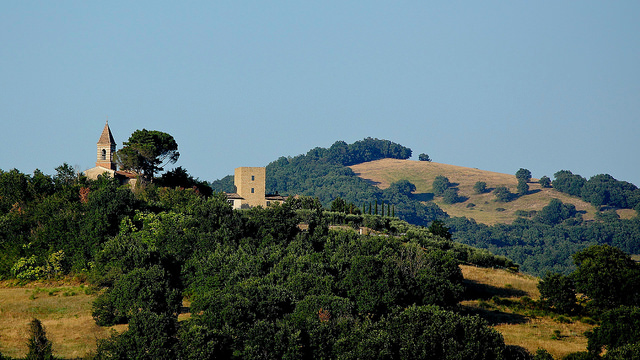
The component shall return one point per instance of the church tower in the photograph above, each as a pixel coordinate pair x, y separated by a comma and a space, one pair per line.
106, 149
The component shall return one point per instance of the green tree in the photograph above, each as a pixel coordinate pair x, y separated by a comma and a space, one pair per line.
450, 196
523, 188
545, 182
38, 344
403, 187
179, 177
566, 182
542, 354
428, 332
555, 212
480, 187
438, 228
559, 290
147, 289
440, 184
625, 352
523, 175
339, 205
147, 151
150, 336
502, 194
424, 157
618, 327
584, 355
608, 276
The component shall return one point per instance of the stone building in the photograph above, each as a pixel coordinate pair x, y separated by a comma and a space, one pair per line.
105, 161
250, 183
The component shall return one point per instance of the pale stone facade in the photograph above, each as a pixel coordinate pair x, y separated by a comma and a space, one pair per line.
250, 183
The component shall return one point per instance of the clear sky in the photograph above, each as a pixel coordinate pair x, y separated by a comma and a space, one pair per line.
495, 85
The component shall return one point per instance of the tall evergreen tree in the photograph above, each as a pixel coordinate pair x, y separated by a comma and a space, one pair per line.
38, 344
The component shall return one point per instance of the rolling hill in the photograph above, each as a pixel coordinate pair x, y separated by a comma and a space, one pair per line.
481, 207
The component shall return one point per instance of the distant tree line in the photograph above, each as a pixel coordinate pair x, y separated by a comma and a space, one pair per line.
545, 240
599, 190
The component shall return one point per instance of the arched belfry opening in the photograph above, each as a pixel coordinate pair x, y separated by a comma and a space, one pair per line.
106, 149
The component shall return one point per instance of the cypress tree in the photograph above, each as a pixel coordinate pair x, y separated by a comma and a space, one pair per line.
38, 344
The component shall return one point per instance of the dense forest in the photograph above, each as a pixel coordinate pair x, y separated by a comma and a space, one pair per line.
540, 247
287, 282
259, 286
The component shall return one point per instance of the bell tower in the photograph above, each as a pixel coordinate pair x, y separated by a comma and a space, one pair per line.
106, 149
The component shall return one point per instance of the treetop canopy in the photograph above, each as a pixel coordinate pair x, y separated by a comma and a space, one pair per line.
147, 152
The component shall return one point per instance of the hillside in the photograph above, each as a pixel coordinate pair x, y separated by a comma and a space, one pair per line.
520, 328
484, 209
66, 313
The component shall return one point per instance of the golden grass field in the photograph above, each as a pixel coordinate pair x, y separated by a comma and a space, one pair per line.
422, 173
65, 312
64, 308
529, 331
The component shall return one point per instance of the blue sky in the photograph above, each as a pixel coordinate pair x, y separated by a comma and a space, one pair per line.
495, 85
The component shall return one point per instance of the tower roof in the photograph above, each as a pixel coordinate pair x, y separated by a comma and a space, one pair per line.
106, 138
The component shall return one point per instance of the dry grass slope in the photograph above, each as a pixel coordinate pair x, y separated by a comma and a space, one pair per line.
422, 173
64, 310
530, 332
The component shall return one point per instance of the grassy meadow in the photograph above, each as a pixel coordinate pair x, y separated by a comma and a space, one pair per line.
498, 296
65, 312
481, 207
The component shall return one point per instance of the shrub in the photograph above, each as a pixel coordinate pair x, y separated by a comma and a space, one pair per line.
440, 184
480, 187
545, 182
424, 157
503, 194
450, 196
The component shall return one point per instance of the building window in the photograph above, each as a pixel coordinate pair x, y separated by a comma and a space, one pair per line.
253, 178
252, 190
104, 154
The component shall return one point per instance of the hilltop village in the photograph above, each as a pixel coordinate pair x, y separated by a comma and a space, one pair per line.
249, 181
